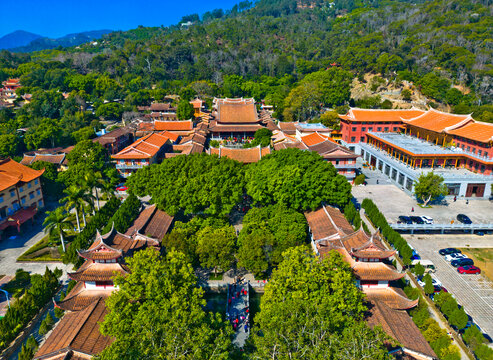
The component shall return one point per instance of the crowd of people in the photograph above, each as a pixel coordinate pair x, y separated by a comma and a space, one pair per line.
238, 312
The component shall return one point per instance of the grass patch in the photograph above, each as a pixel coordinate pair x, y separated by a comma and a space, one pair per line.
41, 244
215, 277
483, 258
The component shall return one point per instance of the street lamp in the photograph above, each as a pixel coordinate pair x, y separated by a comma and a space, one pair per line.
7, 296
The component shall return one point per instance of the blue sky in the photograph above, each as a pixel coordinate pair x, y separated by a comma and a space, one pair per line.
55, 18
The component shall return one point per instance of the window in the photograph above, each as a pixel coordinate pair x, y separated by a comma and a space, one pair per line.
36, 181
483, 168
1, 198
353, 129
474, 151
12, 193
386, 129
353, 139
468, 148
31, 195
363, 129
23, 200
486, 154
396, 129
29, 185
38, 191
479, 152
379, 128
40, 203
362, 139
370, 129
21, 189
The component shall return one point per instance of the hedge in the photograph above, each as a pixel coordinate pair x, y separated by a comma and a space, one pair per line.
43, 288
392, 236
84, 238
125, 216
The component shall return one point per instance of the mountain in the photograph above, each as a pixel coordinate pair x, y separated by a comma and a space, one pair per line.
43, 43
16, 39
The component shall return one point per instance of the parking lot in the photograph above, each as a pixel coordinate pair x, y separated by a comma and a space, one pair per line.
474, 292
393, 202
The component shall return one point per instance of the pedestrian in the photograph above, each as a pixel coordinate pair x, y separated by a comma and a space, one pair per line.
455, 198
247, 310
234, 327
238, 294
246, 327
412, 209
229, 301
467, 202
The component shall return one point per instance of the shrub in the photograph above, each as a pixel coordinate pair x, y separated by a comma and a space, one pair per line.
360, 179
125, 215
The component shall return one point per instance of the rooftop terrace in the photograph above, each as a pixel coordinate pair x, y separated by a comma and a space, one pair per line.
422, 147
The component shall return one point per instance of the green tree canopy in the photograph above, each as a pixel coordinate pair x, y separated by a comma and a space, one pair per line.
9, 145
311, 309
429, 187
110, 111
158, 313
185, 110
216, 247
297, 179
192, 184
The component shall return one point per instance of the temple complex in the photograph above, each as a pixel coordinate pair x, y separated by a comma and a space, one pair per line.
375, 276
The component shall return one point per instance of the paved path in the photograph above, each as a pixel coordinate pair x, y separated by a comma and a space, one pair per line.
474, 292
238, 312
11, 248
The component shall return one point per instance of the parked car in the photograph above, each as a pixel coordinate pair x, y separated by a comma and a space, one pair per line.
464, 219
405, 219
462, 262
427, 264
469, 269
426, 219
452, 257
448, 251
434, 281
417, 220
415, 255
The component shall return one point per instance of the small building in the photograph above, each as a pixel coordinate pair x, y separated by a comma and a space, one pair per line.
198, 107
375, 276
236, 119
247, 156
357, 122
146, 151
21, 194
303, 129
54, 156
114, 141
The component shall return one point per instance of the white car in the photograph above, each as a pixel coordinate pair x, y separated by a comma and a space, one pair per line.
427, 219
456, 256
434, 281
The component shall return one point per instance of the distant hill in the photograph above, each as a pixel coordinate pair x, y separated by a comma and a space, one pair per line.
42, 43
17, 38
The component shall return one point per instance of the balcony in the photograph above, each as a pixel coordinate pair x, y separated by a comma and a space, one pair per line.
345, 166
131, 165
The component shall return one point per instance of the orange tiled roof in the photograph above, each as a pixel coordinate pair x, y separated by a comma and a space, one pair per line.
151, 222
144, 148
438, 121
236, 112
327, 222
478, 131
80, 297
288, 127
12, 172
361, 245
313, 139
78, 331
399, 325
375, 271
170, 135
186, 125
92, 271
393, 297
197, 103
249, 155
379, 115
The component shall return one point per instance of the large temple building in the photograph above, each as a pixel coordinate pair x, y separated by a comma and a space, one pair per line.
234, 119
370, 261
457, 147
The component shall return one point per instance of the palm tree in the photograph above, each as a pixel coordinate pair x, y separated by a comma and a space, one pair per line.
94, 181
77, 197
57, 220
108, 189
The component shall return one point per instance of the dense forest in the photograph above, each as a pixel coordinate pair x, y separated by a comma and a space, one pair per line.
277, 50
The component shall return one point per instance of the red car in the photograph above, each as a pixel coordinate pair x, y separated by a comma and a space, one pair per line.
469, 269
